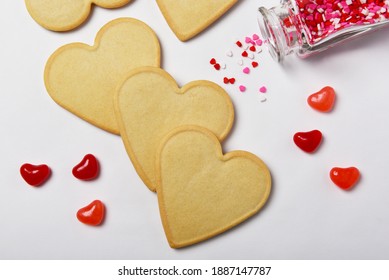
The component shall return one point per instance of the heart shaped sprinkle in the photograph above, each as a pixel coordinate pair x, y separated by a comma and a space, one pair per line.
259, 42
308, 141
232, 81
212, 61
246, 70
35, 175
226, 80
253, 49
87, 169
92, 214
322, 100
245, 54
217, 66
239, 44
255, 37
242, 88
263, 89
254, 64
345, 178
248, 40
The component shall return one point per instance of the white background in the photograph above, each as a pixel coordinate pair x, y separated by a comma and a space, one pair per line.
307, 216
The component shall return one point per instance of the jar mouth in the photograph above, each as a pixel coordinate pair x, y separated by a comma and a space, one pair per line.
271, 32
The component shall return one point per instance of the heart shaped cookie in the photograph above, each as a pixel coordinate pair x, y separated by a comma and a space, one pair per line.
64, 15
201, 192
187, 18
83, 78
149, 104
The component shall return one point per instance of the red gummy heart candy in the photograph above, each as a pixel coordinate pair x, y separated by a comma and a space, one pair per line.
87, 169
92, 214
322, 100
308, 141
254, 64
232, 81
35, 175
344, 178
217, 66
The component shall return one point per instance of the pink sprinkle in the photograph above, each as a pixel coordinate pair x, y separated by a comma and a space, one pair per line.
248, 40
259, 42
255, 37
242, 88
246, 70
263, 89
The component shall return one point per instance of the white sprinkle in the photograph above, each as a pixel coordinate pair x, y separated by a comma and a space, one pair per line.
251, 56
259, 50
229, 54
240, 62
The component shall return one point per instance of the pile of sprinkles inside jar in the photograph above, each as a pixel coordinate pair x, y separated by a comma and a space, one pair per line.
324, 17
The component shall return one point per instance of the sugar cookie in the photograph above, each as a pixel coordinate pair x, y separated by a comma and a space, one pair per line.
187, 18
64, 15
83, 78
201, 192
149, 104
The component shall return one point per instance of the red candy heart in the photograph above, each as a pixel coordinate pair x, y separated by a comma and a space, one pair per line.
212, 61
308, 141
344, 178
254, 64
232, 81
92, 214
253, 49
245, 54
87, 169
35, 175
322, 100
226, 80
217, 66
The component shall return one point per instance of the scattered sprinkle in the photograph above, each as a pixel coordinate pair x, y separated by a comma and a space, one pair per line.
229, 54
254, 64
246, 70
242, 88
263, 89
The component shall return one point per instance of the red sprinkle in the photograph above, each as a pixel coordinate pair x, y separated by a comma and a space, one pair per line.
217, 66
253, 49
245, 54
254, 64
239, 44
232, 81
212, 61
226, 80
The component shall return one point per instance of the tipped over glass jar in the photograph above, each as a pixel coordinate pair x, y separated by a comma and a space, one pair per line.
309, 26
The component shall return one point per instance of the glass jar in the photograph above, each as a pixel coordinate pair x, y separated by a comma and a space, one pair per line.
309, 26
